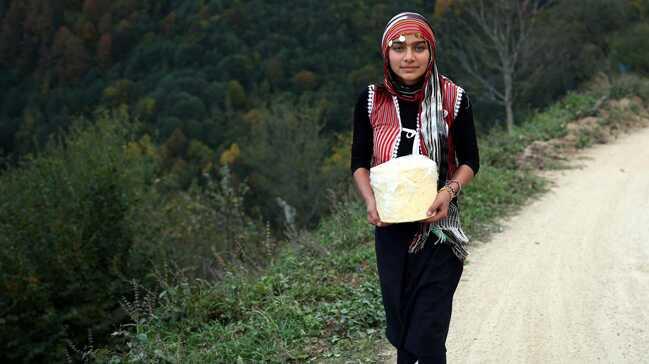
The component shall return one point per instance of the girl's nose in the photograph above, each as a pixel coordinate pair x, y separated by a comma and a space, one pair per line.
410, 55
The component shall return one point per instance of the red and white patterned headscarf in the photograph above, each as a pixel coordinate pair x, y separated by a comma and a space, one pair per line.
402, 24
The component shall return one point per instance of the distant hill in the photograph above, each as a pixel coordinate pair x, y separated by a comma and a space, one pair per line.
180, 64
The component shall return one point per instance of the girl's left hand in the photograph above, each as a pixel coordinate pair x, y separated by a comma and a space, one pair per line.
439, 209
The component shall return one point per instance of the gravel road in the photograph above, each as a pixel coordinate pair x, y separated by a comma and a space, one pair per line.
567, 280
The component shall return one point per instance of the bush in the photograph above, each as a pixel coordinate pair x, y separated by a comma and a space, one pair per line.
291, 129
304, 303
66, 242
631, 49
629, 86
82, 219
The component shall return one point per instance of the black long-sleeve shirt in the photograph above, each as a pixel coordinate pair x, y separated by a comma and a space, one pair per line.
462, 131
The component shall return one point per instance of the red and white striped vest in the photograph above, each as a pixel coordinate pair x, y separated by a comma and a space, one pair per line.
382, 109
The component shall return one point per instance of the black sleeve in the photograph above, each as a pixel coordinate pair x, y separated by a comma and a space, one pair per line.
362, 142
464, 138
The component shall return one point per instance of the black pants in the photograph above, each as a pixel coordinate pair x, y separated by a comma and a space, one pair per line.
404, 357
417, 291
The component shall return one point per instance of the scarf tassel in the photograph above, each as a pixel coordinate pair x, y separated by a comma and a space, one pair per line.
457, 240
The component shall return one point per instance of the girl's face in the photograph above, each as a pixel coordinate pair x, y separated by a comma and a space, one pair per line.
409, 58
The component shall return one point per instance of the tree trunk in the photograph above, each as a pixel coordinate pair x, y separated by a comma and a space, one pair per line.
509, 98
510, 116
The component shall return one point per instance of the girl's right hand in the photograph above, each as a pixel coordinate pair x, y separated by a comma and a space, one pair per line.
373, 215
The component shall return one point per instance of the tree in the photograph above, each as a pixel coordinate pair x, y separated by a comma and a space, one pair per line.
587, 26
236, 96
490, 40
305, 80
441, 6
630, 48
94, 9
175, 146
118, 93
168, 23
88, 32
284, 153
642, 6
39, 20
230, 155
104, 50
105, 23
68, 244
200, 154
69, 55
145, 108
11, 32
91, 9
579, 34
274, 70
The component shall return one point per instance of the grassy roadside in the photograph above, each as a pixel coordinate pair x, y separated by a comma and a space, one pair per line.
319, 300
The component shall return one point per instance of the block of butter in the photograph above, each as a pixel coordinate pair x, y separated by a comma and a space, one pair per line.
404, 188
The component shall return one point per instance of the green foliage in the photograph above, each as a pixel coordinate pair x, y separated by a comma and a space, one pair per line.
495, 193
83, 218
305, 80
187, 106
205, 230
176, 145
642, 6
201, 67
202, 45
284, 153
630, 86
200, 153
66, 239
336, 165
302, 305
236, 96
118, 93
365, 75
630, 48
500, 149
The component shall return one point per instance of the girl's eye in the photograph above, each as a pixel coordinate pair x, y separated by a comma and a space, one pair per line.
420, 48
397, 47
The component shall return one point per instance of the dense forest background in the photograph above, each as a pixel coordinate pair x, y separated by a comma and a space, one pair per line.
206, 77
135, 133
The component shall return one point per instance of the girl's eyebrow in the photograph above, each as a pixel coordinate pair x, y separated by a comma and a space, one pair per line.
417, 42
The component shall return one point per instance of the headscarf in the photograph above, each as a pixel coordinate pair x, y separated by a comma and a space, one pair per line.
401, 24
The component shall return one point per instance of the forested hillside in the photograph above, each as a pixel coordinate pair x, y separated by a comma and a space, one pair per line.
139, 137
206, 76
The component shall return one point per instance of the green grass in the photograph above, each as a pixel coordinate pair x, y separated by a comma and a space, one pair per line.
500, 149
319, 301
498, 193
307, 303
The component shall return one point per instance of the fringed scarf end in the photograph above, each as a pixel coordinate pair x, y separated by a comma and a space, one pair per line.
422, 236
454, 237
460, 243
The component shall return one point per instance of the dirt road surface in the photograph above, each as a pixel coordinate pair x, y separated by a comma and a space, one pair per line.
567, 280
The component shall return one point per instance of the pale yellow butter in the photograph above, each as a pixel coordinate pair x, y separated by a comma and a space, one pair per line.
404, 188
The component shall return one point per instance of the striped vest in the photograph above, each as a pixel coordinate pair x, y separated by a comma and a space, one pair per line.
383, 112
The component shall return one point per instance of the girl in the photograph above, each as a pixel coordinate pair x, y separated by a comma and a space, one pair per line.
419, 263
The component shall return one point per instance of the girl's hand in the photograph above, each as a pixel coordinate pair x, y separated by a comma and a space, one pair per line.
439, 209
373, 215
